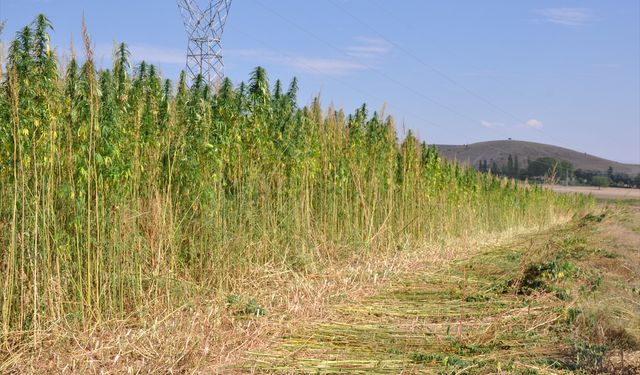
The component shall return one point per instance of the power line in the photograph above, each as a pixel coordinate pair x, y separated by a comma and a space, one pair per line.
346, 84
354, 88
382, 73
388, 12
370, 67
436, 70
364, 93
425, 64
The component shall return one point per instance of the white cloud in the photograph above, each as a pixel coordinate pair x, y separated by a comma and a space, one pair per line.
368, 48
324, 66
314, 65
363, 48
491, 125
156, 54
535, 124
144, 52
565, 16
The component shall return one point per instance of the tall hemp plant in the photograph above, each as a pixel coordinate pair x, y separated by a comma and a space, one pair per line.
119, 189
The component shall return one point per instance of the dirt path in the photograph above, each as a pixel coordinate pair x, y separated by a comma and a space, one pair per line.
554, 302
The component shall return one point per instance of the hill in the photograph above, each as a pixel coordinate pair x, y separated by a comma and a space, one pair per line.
499, 152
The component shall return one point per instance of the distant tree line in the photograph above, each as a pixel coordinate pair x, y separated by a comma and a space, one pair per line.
613, 178
546, 168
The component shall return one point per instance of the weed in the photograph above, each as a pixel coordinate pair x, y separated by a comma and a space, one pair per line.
477, 298
253, 308
427, 358
597, 283
249, 307
562, 294
537, 277
232, 299
571, 315
441, 359
591, 218
589, 357
606, 253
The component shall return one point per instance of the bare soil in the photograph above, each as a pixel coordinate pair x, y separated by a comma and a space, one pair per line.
602, 193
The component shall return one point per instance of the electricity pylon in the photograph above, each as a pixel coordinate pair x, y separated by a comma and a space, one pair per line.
205, 26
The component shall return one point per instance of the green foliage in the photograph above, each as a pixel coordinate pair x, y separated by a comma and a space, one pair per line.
589, 357
116, 189
591, 218
546, 166
600, 181
248, 307
537, 277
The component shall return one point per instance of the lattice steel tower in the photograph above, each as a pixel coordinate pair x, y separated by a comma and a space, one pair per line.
205, 26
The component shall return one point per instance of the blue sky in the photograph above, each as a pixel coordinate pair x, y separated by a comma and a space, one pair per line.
456, 72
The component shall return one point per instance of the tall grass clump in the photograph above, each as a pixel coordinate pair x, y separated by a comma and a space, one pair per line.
117, 188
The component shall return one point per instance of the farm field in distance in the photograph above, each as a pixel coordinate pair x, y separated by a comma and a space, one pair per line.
602, 193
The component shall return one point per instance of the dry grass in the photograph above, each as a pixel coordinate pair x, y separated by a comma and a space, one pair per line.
209, 336
489, 313
435, 309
